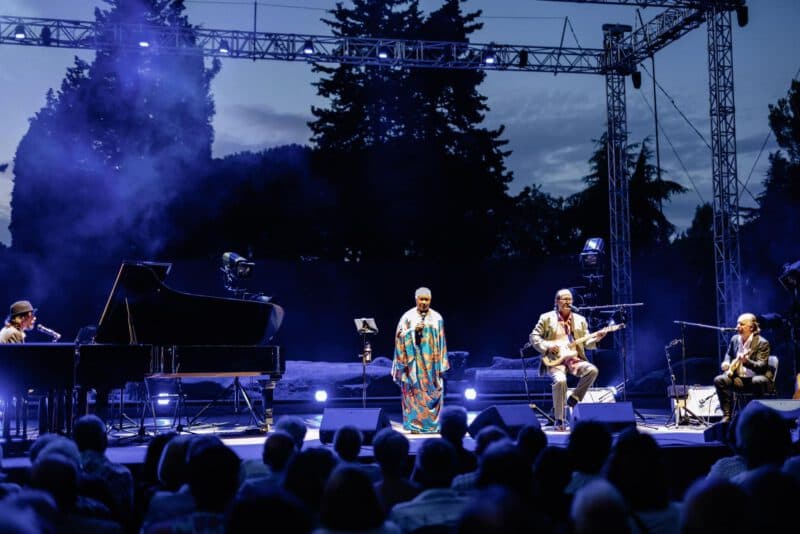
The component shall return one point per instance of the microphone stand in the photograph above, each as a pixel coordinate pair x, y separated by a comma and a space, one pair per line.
527, 392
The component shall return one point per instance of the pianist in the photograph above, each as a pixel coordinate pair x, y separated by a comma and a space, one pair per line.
21, 318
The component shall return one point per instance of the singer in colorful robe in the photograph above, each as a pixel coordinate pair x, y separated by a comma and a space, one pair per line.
552, 334
420, 359
21, 317
746, 365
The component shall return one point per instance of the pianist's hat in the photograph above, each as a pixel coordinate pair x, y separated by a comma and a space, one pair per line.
20, 307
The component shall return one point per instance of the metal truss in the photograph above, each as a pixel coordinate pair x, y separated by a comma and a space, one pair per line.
299, 47
618, 181
727, 259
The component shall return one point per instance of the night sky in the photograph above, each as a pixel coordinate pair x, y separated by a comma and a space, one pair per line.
550, 120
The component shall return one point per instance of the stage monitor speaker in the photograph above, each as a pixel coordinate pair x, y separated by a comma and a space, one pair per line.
368, 420
788, 408
702, 401
597, 395
616, 416
509, 417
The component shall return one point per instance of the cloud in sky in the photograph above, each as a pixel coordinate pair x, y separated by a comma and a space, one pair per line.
254, 128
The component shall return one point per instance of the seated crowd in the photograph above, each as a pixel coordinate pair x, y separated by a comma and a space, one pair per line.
507, 484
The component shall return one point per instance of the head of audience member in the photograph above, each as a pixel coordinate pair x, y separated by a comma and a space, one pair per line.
762, 436
552, 470
598, 507
307, 473
589, 446
213, 469
349, 501
347, 442
279, 447
503, 464
642, 489
436, 464
15, 520
453, 422
57, 475
267, 503
60, 445
718, 504
391, 451
172, 470
295, 427
531, 440
768, 484
792, 467
41, 503
40, 443
499, 510
89, 433
152, 456
488, 435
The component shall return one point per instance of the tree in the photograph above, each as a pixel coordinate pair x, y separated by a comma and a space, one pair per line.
120, 144
589, 208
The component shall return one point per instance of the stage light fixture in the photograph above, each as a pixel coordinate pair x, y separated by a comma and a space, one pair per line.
523, 58
489, 56
143, 43
308, 47
237, 266
636, 78
19, 32
470, 394
46, 36
592, 253
321, 395
742, 16
383, 52
223, 47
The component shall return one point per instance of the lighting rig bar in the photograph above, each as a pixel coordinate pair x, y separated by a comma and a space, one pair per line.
27, 31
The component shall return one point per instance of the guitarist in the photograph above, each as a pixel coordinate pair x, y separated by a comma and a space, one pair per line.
551, 337
746, 365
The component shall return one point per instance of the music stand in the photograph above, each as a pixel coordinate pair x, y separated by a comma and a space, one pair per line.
365, 326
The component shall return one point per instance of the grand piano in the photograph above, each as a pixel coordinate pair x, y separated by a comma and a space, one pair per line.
148, 329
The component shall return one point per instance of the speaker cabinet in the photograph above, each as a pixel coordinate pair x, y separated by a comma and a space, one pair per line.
368, 420
615, 415
702, 401
509, 417
597, 395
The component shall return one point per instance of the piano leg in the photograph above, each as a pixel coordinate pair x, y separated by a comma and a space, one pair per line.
267, 397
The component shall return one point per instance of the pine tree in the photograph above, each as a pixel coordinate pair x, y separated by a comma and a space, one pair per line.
117, 147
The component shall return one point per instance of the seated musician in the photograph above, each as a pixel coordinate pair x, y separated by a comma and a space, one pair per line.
22, 317
746, 365
551, 337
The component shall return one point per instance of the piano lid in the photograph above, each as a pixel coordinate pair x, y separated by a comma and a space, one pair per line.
142, 309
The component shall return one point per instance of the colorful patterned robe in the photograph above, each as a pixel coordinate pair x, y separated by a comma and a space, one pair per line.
418, 364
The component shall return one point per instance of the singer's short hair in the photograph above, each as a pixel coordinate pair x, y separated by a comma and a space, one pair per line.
753, 320
562, 291
422, 292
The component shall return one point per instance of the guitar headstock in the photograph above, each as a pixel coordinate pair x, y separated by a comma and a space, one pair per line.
614, 327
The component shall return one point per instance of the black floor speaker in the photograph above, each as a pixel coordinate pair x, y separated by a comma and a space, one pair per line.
616, 416
368, 420
509, 417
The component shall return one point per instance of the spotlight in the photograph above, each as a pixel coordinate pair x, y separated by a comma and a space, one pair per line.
489, 57
236, 266
742, 16
523, 58
320, 395
47, 36
470, 394
19, 32
636, 78
308, 47
592, 253
144, 43
223, 47
163, 399
383, 53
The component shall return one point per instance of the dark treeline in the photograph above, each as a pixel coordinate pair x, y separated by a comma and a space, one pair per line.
400, 168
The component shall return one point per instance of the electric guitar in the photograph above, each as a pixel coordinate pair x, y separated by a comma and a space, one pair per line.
567, 349
733, 369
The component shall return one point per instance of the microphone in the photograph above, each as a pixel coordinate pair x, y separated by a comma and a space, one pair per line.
574, 309
52, 333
